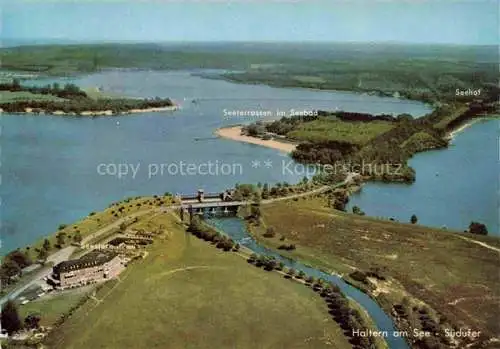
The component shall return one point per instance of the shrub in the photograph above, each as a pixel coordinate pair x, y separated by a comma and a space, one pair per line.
270, 233
478, 228
358, 276
287, 247
253, 258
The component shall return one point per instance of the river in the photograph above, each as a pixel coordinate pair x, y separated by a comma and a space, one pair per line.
50, 163
236, 229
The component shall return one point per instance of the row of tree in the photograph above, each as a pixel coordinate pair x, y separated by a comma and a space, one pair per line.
201, 230
264, 191
68, 91
349, 319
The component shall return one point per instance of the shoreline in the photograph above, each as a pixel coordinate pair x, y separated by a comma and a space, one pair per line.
453, 133
99, 112
431, 104
234, 133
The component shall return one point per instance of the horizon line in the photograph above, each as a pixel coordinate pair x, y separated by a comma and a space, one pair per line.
174, 41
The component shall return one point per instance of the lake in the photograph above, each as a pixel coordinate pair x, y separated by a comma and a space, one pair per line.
58, 169
453, 186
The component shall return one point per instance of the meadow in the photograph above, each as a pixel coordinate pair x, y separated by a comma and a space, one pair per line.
52, 306
188, 294
336, 130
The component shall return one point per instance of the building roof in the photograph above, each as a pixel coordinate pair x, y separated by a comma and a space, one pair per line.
91, 259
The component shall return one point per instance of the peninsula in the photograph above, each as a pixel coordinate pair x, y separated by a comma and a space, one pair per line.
71, 100
384, 142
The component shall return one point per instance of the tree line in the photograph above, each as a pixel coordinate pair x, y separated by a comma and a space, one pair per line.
201, 230
68, 91
349, 319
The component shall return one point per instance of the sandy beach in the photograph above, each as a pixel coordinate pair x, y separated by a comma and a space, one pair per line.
453, 133
234, 133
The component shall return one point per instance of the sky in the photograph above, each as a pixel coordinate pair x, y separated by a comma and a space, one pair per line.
413, 21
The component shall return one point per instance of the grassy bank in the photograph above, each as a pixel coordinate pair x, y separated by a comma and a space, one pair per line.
89, 228
452, 279
188, 294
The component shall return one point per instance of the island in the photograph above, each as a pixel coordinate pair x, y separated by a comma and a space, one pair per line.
72, 100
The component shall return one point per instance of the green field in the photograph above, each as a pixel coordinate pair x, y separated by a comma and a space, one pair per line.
456, 278
95, 93
52, 306
188, 294
8, 96
337, 130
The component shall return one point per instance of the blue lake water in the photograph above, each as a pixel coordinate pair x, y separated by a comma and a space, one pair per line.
49, 163
453, 186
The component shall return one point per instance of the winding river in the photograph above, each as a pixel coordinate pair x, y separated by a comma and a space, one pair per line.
236, 229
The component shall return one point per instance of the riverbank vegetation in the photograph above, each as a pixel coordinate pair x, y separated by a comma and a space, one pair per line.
348, 317
203, 231
426, 278
202, 293
69, 99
